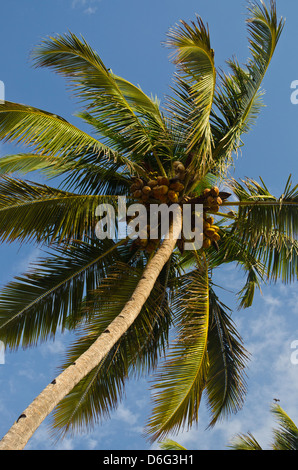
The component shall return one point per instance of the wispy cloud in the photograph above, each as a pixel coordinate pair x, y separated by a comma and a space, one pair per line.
89, 6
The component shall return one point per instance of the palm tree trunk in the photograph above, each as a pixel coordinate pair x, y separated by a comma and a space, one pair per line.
23, 429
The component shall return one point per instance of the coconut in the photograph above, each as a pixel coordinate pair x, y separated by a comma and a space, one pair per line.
134, 187
163, 198
177, 186
163, 189
180, 168
152, 183
206, 243
137, 193
165, 181
173, 196
146, 189
206, 192
210, 201
139, 183
214, 191
210, 232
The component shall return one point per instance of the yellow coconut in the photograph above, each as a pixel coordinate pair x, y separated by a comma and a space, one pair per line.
206, 243
164, 189
173, 196
214, 191
206, 192
210, 232
152, 183
146, 189
139, 183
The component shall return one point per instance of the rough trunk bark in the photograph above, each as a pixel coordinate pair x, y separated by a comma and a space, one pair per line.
23, 429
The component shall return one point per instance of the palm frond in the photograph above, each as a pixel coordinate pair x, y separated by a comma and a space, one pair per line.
195, 85
245, 442
182, 375
238, 98
41, 302
44, 214
80, 174
269, 226
226, 385
233, 250
169, 444
246, 294
47, 133
24, 163
110, 98
286, 435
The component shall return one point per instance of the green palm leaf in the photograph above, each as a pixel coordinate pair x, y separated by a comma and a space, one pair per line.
46, 133
169, 444
226, 386
268, 226
196, 79
182, 376
41, 213
245, 442
286, 435
238, 99
111, 99
42, 301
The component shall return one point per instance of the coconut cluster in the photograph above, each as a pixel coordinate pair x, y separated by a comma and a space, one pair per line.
212, 199
210, 231
160, 188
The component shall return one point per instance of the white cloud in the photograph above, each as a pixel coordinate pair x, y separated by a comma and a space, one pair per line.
89, 5
90, 10
124, 414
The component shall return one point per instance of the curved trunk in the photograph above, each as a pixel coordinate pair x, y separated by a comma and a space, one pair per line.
23, 429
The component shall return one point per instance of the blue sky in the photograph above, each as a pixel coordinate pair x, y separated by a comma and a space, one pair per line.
128, 35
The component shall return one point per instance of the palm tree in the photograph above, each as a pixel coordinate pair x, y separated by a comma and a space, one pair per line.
285, 436
123, 297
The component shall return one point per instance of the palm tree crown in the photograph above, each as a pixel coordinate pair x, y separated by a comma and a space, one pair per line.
180, 153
